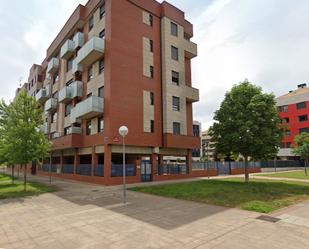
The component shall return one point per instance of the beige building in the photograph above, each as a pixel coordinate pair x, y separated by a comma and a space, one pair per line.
207, 148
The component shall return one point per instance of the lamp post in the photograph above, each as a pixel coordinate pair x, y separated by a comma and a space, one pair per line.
123, 131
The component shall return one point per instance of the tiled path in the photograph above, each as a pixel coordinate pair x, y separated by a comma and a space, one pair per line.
91, 216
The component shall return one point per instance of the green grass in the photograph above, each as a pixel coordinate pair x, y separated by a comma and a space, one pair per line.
9, 190
258, 195
293, 174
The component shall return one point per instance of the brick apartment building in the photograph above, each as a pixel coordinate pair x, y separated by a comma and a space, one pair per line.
114, 63
294, 111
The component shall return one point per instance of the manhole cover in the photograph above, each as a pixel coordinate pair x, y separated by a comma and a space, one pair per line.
268, 218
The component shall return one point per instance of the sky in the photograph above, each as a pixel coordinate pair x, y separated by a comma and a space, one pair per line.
264, 41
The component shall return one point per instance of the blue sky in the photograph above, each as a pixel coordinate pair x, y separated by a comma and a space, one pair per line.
265, 41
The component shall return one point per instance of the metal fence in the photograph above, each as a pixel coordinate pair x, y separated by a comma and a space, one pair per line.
47, 167
117, 170
172, 169
282, 163
204, 165
99, 170
84, 169
68, 168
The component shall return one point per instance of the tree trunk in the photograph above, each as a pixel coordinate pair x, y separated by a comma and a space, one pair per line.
246, 169
18, 171
25, 177
306, 164
13, 173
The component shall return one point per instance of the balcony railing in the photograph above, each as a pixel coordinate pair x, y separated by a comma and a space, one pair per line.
44, 128
53, 65
91, 51
89, 108
51, 105
67, 49
41, 96
192, 94
190, 49
68, 93
75, 130
78, 40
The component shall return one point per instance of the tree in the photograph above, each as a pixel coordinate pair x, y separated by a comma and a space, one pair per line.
302, 147
248, 124
22, 141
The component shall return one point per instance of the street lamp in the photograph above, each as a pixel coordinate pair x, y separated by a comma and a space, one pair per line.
123, 131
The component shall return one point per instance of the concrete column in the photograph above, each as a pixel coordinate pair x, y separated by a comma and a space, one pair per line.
154, 164
107, 163
189, 161
76, 160
61, 161
94, 160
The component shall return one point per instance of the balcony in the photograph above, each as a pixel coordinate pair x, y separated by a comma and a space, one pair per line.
181, 141
190, 49
51, 105
44, 128
89, 108
91, 51
41, 96
68, 93
192, 94
75, 130
76, 67
67, 50
78, 40
53, 65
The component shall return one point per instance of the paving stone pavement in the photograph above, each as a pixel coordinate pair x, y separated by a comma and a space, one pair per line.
91, 216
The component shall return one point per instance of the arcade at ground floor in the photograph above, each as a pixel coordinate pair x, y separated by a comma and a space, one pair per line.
104, 164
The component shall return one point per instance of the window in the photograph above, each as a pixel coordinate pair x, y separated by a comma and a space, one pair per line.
283, 108
174, 29
151, 71
151, 45
102, 11
68, 109
90, 73
304, 130
302, 118
100, 124
176, 127
101, 92
174, 52
150, 20
196, 130
69, 64
288, 144
285, 120
88, 127
175, 78
101, 65
301, 105
66, 130
54, 117
176, 103
151, 98
102, 34
152, 126
90, 23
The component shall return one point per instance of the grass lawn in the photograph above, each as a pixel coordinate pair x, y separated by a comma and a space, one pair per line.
258, 195
9, 190
293, 174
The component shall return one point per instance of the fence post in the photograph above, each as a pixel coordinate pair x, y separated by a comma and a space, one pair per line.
208, 173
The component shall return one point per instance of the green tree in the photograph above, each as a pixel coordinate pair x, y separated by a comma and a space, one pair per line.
302, 147
248, 124
22, 142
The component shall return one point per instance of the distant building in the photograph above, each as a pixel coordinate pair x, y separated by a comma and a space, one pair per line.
197, 128
208, 150
294, 110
